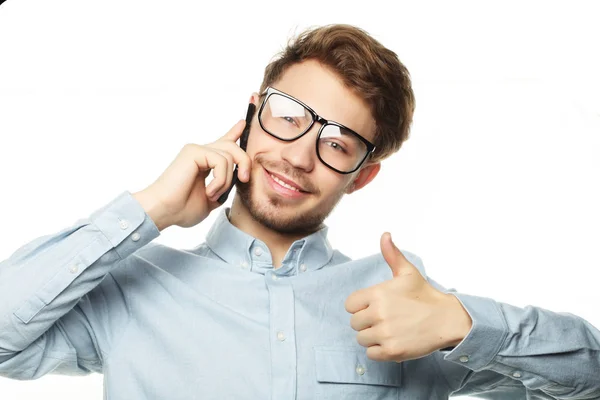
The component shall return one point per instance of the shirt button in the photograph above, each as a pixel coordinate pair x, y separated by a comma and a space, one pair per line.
360, 370
280, 336
303, 267
517, 374
258, 251
244, 264
74, 269
123, 224
274, 277
135, 237
464, 359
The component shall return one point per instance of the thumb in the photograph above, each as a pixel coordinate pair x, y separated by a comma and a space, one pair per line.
392, 255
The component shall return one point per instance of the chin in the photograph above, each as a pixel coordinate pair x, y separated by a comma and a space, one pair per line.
278, 214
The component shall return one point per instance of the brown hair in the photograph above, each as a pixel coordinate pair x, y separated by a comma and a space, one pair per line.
372, 71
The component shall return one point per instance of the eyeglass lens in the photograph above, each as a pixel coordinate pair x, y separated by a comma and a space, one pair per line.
287, 119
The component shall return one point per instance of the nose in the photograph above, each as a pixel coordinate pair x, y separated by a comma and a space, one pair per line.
301, 153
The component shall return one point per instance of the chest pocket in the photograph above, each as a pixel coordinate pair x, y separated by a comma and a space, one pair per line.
347, 373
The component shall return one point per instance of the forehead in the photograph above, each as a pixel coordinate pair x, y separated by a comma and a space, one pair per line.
322, 89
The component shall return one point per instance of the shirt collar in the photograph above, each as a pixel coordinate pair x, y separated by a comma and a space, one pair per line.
239, 249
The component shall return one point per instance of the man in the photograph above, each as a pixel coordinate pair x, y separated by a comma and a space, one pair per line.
266, 308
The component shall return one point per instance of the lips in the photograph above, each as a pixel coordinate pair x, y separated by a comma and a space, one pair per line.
281, 188
287, 181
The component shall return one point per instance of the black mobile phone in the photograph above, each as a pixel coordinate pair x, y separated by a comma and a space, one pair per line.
243, 144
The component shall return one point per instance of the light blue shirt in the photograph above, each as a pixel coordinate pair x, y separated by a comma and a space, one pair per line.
219, 322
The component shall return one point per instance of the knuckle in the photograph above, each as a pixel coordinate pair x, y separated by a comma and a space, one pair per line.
222, 159
189, 147
223, 154
360, 339
377, 294
376, 315
388, 351
348, 304
374, 354
385, 331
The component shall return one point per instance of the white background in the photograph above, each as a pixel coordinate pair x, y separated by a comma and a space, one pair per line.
497, 189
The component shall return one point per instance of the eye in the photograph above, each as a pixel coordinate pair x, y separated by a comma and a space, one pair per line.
291, 120
336, 146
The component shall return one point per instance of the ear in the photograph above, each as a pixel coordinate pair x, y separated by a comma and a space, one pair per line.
254, 97
366, 175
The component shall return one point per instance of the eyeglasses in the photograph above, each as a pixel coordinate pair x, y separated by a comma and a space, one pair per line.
338, 147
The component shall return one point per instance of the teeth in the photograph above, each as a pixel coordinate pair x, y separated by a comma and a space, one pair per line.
282, 183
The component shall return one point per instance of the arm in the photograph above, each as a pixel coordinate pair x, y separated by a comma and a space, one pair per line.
49, 309
523, 350
52, 317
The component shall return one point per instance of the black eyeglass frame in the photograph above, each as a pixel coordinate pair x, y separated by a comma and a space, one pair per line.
315, 118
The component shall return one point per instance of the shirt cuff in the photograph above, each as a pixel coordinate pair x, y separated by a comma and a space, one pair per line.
125, 218
486, 337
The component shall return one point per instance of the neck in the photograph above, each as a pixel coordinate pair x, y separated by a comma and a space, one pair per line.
277, 242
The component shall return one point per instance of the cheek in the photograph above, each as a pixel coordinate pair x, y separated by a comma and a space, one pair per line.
332, 185
259, 141
251, 144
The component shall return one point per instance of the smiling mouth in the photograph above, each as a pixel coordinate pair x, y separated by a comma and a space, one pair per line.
285, 185
282, 187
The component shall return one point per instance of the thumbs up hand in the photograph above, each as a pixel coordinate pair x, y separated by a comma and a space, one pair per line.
405, 317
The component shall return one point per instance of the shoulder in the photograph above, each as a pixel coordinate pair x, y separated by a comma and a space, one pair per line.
378, 260
371, 269
156, 259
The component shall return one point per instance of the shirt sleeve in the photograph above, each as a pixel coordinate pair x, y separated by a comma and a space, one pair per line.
46, 304
512, 351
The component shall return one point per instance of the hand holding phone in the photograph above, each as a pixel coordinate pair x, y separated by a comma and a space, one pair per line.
180, 195
243, 144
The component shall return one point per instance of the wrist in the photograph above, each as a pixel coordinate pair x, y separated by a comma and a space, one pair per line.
153, 209
459, 321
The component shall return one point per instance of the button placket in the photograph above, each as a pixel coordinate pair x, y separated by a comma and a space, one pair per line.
281, 326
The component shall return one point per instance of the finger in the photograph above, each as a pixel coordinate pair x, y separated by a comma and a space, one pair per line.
357, 301
362, 319
376, 353
219, 165
394, 257
240, 158
367, 337
389, 253
235, 132
228, 179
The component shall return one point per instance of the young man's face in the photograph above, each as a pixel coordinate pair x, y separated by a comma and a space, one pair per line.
288, 211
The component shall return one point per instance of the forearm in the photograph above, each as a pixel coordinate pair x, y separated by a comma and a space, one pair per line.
45, 279
557, 353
